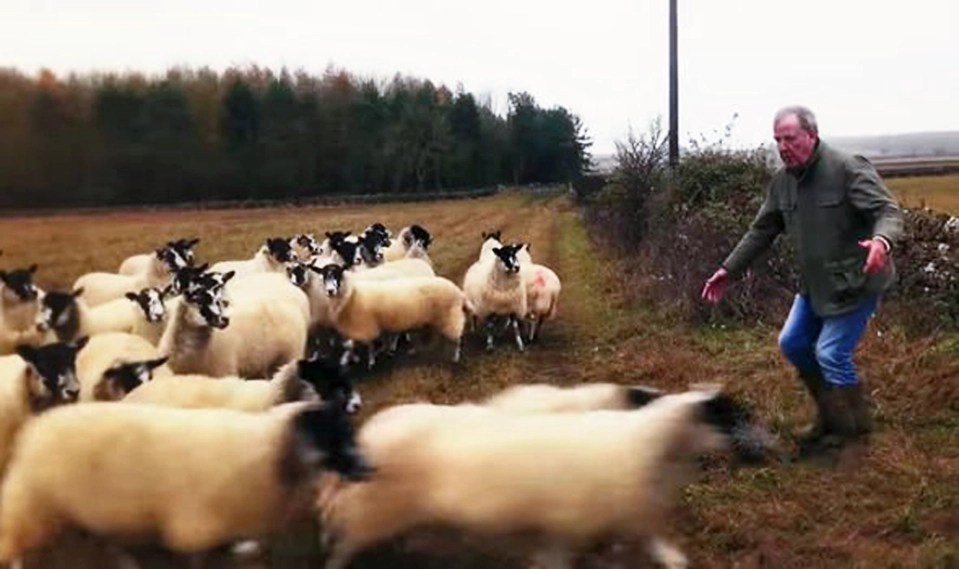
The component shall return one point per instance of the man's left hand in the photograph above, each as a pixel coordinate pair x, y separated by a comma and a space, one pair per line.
878, 257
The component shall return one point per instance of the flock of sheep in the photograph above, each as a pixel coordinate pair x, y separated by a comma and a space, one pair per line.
201, 406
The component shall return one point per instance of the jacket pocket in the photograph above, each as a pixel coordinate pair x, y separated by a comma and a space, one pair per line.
847, 277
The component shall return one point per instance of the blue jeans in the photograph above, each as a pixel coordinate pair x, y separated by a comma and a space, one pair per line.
825, 345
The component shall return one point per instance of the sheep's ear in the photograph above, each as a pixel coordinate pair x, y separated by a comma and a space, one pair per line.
229, 275
27, 352
132, 296
153, 364
79, 292
192, 242
497, 250
640, 396
3, 274
167, 291
81, 342
32, 269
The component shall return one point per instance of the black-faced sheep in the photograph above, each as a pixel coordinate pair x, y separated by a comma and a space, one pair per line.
302, 380
364, 310
259, 336
69, 317
106, 350
495, 287
545, 398
158, 266
190, 479
272, 257
32, 381
19, 304
572, 478
405, 239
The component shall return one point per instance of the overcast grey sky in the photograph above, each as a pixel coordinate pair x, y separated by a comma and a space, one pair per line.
863, 67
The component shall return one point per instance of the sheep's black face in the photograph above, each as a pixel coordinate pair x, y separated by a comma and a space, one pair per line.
750, 441
55, 364
327, 439
58, 310
507, 256
130, 375
371, 248
330, 384
421, 236
184, 247
337, 236
171, 258
150, 301
20, 282
299, 274
332, 279
280, 249
191, 279
211, 307
349, 252
640, 396
309, 243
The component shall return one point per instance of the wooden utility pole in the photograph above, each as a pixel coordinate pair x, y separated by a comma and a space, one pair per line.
673, 90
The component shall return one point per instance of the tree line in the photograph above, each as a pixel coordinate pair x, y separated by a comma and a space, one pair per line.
196, 135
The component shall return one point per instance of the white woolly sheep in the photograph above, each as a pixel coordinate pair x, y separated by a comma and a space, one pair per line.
394, 270
491, 240
302, 380
32, 381
363, 310
106, 350
542, 296
400, 246
259, 336
272, 257
304, 246
158, 268
19, 304
190, 479
571, 478
69, 317
495, 287
545, 398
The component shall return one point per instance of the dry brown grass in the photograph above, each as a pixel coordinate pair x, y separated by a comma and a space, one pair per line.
938, 192
894, 507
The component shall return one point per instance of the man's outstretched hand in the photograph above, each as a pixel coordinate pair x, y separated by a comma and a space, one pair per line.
716, 286
878, 257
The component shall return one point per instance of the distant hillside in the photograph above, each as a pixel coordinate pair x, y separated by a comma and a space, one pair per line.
883, 147
909, 145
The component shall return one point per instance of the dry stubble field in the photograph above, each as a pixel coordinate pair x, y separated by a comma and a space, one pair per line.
896, 507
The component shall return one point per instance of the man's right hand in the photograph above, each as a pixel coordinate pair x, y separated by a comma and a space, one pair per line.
716, 286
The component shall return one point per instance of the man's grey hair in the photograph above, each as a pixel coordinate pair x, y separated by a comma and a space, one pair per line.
807, 120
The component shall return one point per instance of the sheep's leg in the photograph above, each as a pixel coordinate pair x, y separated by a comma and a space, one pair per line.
554, 556
125, 559
667, 554
457, 350
340, 556
534, 324
514, 322
490, 324
394, 343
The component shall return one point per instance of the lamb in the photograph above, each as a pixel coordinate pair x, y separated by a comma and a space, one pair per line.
19, 303
258, 337
32, 381
106, 350
495, 287
572, 478
188, 479
406, 238
363, 310
158, 267
545, 398
67, 315
302, 380
270, 258
542, 296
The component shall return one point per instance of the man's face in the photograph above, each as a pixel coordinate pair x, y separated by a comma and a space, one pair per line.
795, 144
